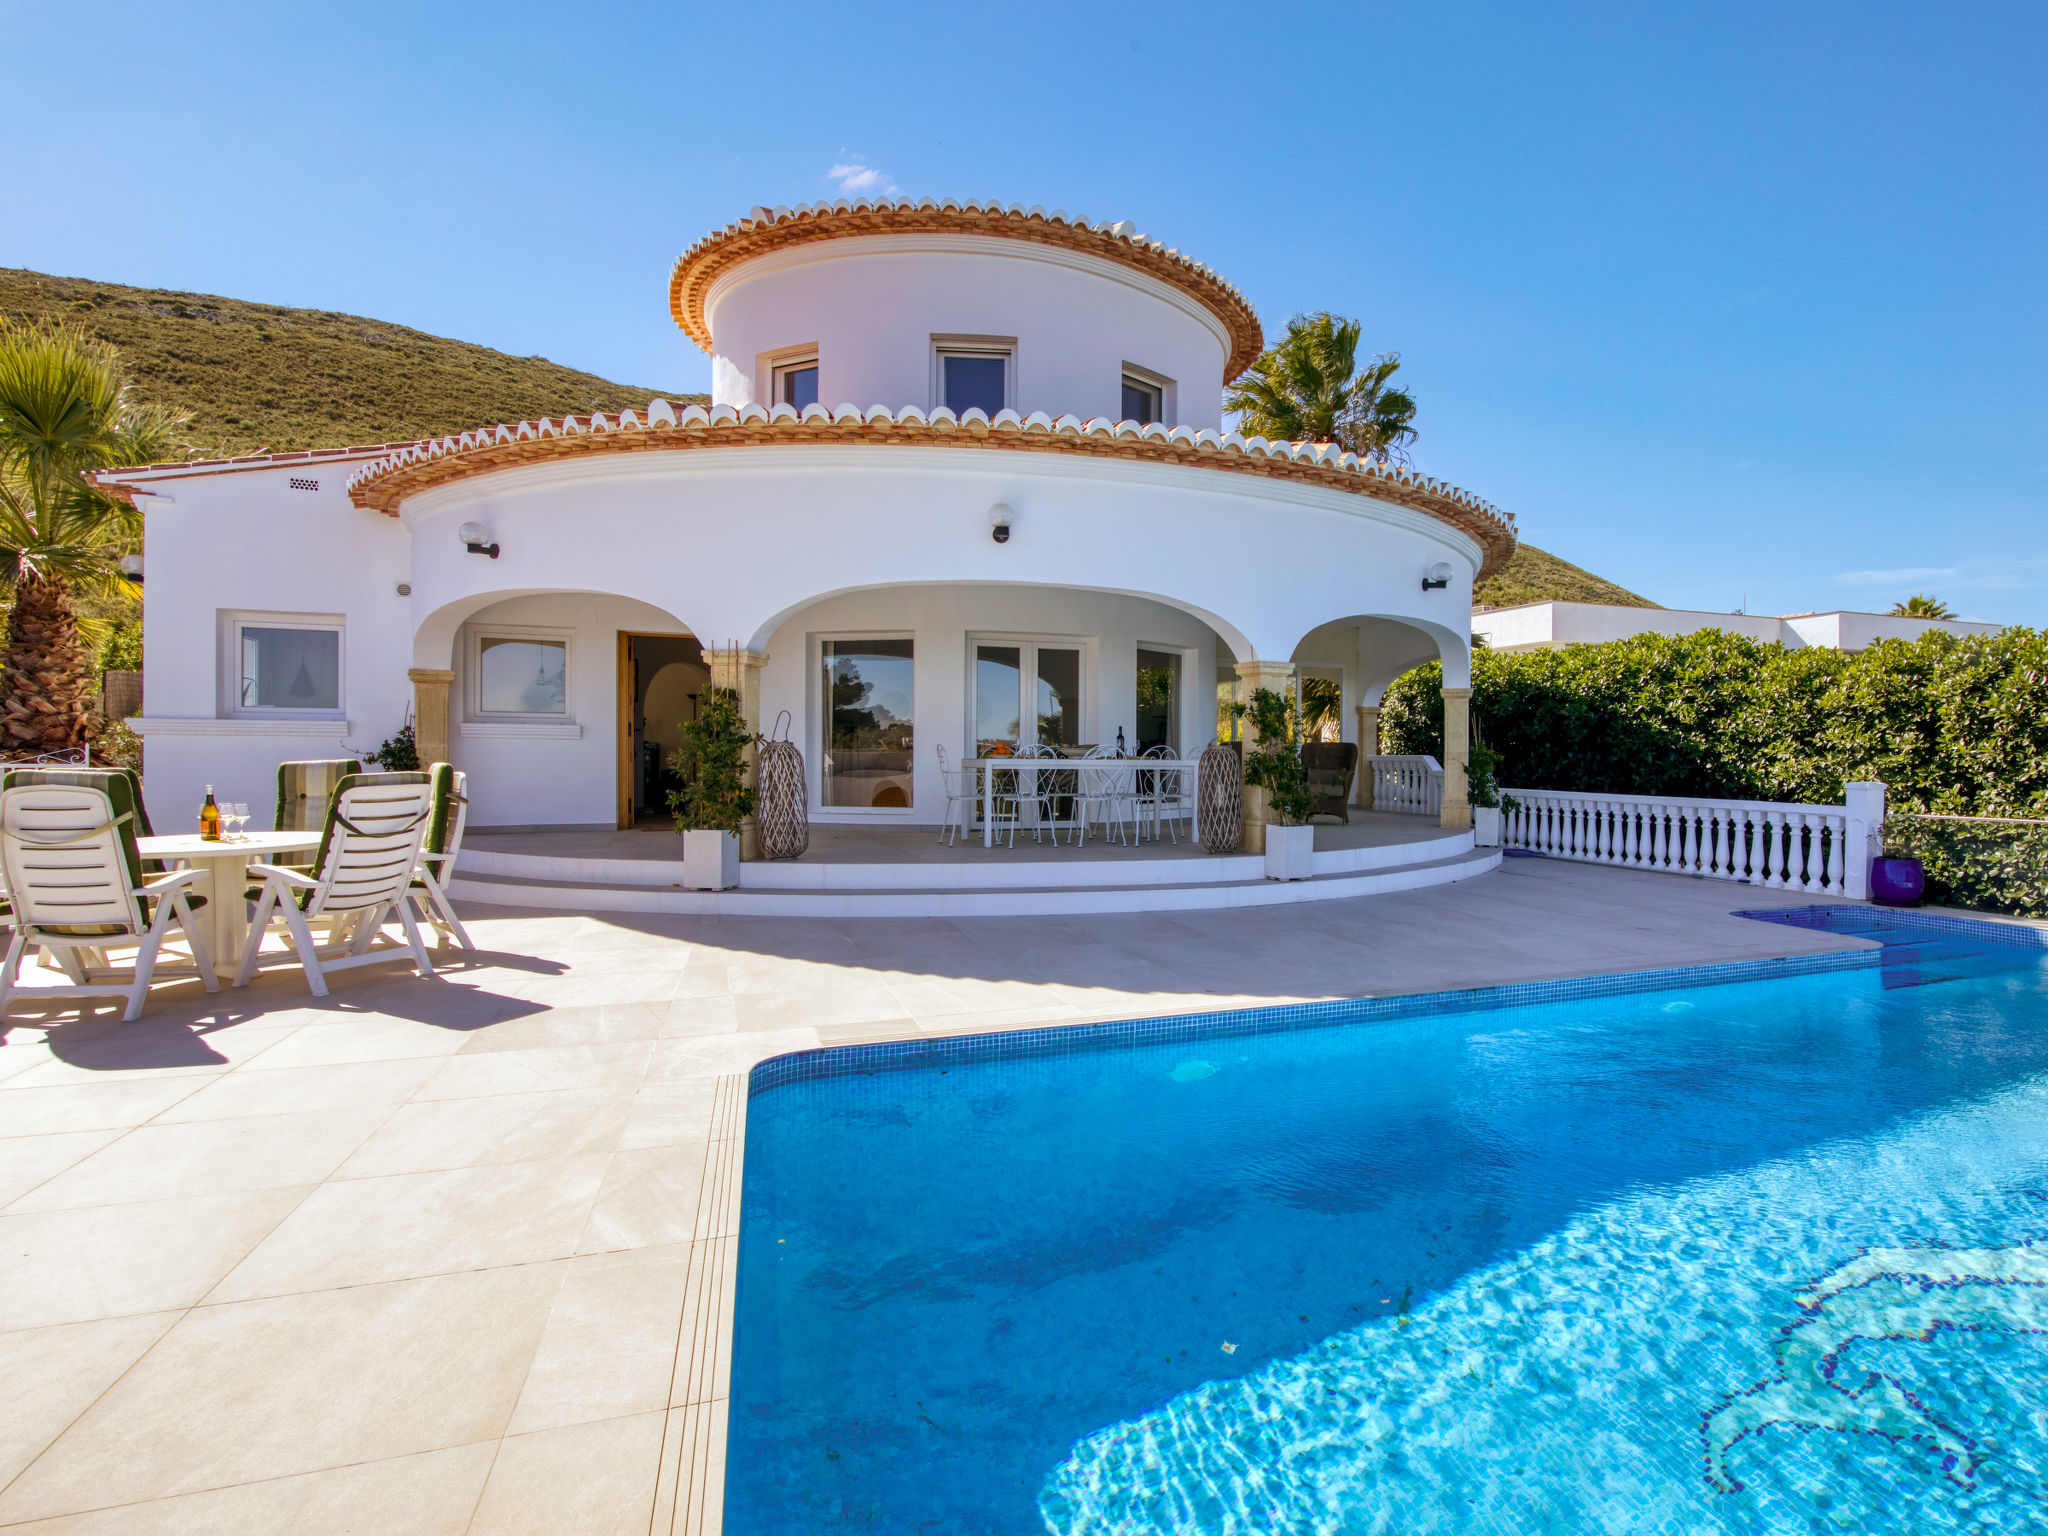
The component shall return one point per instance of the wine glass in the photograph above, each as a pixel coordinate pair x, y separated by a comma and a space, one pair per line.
239, 815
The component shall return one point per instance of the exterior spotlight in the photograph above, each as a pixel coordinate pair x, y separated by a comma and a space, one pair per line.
999, 522
1439, 575
131, 567
473, 536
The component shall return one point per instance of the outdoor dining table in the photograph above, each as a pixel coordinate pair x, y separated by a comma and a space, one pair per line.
1031, 765
224, 919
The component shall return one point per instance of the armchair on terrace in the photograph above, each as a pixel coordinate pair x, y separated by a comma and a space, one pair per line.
439, 853
1330, 765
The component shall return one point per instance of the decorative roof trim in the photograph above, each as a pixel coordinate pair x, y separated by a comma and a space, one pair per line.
115, 481
769, 229
384, 484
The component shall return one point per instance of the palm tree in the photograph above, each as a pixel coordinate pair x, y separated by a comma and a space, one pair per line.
1917, 607
64, 411
1310, 388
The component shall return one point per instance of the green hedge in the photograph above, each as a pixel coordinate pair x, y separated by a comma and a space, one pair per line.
1958, 726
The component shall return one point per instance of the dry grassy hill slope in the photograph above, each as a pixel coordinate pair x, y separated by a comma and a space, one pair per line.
256, 376
1534, 575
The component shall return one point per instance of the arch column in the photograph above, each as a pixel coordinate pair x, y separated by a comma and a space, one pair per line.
430, 713
1457, 811
739, 668
1258, 807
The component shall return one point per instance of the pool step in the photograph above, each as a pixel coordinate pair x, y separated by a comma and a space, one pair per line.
511, 890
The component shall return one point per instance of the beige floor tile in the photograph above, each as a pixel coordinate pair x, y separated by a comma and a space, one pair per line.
91, 1106
363, 1039
649, 1197
116, 1260
604, 1024
364, 1085
716, 1055
431, 1494
21, 1054
153, 1054
164, 1162
29, 1161
586, 1480
568, 1066
362, 1231
666, 1112
653, 978
268, 1389
713, 1014
501, 1128
54, 1374
610, 1344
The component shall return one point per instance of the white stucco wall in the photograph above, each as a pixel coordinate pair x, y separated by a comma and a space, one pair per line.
871, 306
247, 541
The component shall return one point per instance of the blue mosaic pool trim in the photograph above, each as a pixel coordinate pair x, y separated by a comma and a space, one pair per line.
2017, 935
1066, 1039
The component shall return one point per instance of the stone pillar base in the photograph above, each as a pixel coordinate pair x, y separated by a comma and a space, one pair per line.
1457, 811
430, 713
739, 669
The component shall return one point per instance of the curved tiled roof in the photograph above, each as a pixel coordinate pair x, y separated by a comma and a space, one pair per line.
383, 484
769, 229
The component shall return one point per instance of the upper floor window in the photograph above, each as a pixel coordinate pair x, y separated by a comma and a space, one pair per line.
973, 372
796, 382
284, 663
1144, 397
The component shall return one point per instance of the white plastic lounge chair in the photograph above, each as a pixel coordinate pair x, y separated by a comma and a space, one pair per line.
362, 879
438, 855
76, 881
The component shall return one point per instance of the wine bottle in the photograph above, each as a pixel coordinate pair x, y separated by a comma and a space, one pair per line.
209, 819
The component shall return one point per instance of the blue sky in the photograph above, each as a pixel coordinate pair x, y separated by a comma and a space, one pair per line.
1732, 303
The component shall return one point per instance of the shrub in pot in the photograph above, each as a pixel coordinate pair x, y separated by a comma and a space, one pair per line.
713, 797
1274, 764
1482, 792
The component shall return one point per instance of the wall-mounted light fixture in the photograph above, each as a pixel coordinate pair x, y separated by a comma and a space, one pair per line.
1439, 575
474, 535
999, 517
131, 567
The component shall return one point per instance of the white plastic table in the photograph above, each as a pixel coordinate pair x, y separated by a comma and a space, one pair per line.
1190, 765
224, 919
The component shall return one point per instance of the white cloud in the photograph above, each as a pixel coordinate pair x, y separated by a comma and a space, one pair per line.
853, 177
1970, 575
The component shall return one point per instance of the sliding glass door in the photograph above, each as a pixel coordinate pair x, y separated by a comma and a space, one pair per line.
1026, 693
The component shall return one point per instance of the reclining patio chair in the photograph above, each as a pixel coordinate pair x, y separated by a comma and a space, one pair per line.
76, 881
361, 879
1330, 765
439, 853
303, 792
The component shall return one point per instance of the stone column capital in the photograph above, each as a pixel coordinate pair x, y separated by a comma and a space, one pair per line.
442, 675
1457, 693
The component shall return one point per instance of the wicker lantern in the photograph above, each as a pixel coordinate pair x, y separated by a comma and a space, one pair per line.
782, 825
1219, 797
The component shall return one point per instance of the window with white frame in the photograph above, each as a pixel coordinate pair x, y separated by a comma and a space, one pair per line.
1145, 395
796, 382
868, 722
518, 674
1028, 692
284, 664
974, 372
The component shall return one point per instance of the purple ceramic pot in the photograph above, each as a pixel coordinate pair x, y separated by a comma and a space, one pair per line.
1896, 882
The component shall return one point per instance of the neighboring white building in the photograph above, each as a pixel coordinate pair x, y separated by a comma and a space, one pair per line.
1547, 626
1029, 500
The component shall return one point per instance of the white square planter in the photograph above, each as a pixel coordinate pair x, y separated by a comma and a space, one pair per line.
1290, 852
1486, 826
711, 861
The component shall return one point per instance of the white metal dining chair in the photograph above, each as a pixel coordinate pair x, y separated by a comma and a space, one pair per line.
962, 790
1162, 793
1106, 792
75, 879
361, 880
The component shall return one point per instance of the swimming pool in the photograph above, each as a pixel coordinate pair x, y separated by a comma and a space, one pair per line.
1769, 1255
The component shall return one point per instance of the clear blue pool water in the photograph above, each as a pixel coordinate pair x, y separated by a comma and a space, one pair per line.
1758, 1257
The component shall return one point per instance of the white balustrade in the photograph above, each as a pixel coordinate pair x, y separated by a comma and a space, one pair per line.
1822, 849
1412, 785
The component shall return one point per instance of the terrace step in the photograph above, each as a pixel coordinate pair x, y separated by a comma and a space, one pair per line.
1426, 865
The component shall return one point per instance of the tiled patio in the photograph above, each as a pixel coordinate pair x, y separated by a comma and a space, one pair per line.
441, 1257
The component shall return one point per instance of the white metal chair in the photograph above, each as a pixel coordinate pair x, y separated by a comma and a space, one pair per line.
438, 854
1106, 792
75, 878
961, 794
1162, 793
363, 878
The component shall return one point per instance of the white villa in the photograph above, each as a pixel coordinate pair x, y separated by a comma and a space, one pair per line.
1551, 626
1024, 508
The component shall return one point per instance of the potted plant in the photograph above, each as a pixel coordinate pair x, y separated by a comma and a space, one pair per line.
1274, 765
714, 797
1482, 791
1897, 878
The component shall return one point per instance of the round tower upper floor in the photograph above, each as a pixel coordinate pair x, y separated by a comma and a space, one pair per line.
933, 306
